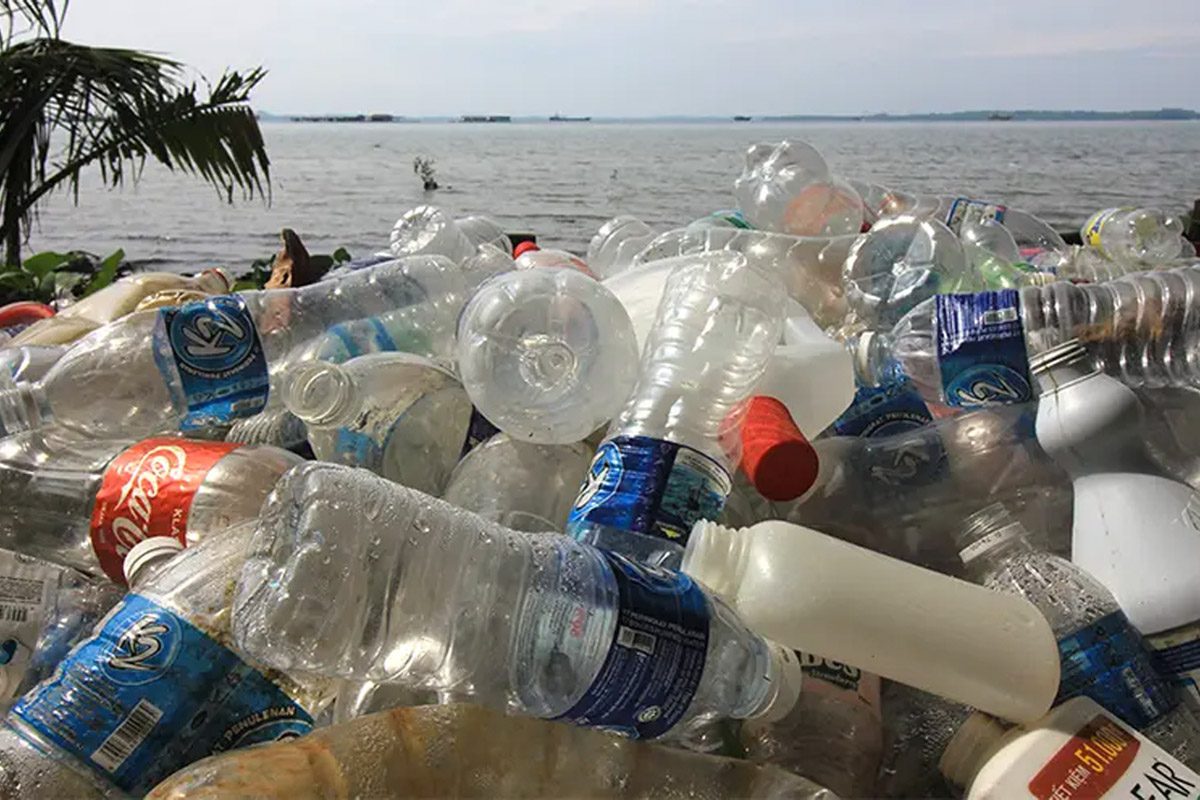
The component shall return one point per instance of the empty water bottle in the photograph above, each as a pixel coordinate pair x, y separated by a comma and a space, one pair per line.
1039, 244
992, 252
156, 686
917, 728
396, 414
901, 262
201, 364
85, 503
1134, 235
533, 257
526, 487
547, 355
787, 188
1102, 656
975, 349
613, 247
428, 230
664, 465
29, 363
353, 576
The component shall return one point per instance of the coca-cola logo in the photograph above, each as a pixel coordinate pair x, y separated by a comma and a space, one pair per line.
148, 476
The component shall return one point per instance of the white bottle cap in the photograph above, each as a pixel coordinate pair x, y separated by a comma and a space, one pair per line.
970, 748
148, 550
785, 668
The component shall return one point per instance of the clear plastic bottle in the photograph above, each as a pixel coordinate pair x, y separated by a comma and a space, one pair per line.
547, 355
29, 362
468, 752
200, 364
526, 487
917, 728
1039, 244
428, 230
1134, 529
483, 231
1134, 235
84, 503
613, 247
787, 188
992, 252
1102, 655
833, 736
664, 465
534, 257
156, 686
398, 415
1139, 328
901, 262
356, 577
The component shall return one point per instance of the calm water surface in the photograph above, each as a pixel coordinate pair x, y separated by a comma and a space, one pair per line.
345, 185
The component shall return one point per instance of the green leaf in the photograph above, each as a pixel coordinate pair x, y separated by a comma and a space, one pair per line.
341, 256
107, 272
43, 263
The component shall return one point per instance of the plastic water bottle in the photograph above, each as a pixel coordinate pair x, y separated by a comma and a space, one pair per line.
612, 249
917, 728
547, 355
157, 686
466, 751
29, 363
533, 257
1135, 530
197, 365
974, 349
356, 577
940, 634
992, 252
901, 262
833, 736
1134, 235
85, 503
788, 188
526, 487
664, 465
482, 231
1040, 245
1102, 656
428, 230
398, 415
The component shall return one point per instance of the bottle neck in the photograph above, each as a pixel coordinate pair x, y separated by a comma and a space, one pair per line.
717, 557
23, 407
321, 394
973, 745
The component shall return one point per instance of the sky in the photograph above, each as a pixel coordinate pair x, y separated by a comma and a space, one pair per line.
661, 57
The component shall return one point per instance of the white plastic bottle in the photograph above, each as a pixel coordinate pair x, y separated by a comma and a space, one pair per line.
1135, 530
807, 590
398, 415
156, 686
547, 355
526, 487
356, 577
664, 464
1077, 750
85, 503
197, 365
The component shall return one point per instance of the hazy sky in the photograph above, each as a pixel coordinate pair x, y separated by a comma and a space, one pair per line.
647, 57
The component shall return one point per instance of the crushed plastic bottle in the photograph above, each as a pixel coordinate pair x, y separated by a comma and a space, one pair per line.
85, 503
546, 355
468, 752
540, 624
667, 459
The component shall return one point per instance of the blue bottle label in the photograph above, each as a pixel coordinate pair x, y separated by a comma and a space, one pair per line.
964, 209
652, 487
894, 407
217, 353
657, 655
1109, 662
149, 693
981, 349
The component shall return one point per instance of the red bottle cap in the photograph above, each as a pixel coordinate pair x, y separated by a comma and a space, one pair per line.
24, 312
776, 457
524, 247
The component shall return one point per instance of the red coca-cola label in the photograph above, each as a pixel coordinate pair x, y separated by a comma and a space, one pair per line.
147, 491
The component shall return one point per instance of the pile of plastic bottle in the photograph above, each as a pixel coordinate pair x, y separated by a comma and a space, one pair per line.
848, 492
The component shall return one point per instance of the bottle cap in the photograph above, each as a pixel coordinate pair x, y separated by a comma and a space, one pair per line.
787, 678
970, 748
525, 247
148, 550
775, 455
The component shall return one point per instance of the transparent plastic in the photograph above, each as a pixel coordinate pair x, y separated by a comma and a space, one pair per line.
613, 247
1146, 236
787, 188
428, 230
355, 577
546, 355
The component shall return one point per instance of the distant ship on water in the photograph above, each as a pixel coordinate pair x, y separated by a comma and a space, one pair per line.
741, 118
561, 118
485, 118
999, 116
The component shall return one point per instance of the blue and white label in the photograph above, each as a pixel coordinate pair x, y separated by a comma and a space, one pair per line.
1109, 662
149, 693
981, 349
657, 655
964, 210
218, 356
1178, 655
894, 407
650, 486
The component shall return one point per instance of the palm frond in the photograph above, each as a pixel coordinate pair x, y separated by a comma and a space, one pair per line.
38, 17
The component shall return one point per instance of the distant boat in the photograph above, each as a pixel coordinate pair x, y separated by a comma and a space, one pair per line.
997, 116
741, 118
561, 118
486, 118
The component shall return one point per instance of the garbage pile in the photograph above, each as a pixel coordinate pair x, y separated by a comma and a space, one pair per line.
847, 492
